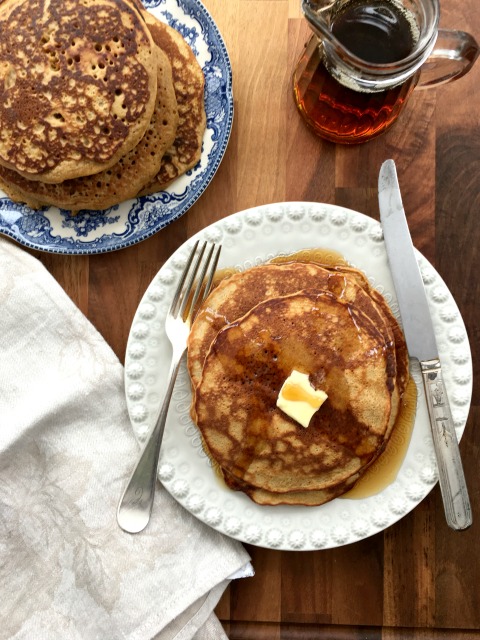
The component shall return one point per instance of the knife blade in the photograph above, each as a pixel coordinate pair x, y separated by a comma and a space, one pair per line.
421, 343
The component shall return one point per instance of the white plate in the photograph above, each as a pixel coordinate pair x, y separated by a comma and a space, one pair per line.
89, 232
249, 238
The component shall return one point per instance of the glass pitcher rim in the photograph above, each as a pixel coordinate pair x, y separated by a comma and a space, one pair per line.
421, 50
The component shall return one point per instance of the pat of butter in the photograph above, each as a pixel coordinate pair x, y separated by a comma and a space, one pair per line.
298, 399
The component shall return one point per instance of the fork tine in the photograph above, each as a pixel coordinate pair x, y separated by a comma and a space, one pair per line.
201, 279
187, 289
182, 295
183, 277
213, 269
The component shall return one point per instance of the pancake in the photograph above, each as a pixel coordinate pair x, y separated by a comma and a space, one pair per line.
237, 294
120, 182
79, 92
344, 354
402, 359
188, 81
305, 498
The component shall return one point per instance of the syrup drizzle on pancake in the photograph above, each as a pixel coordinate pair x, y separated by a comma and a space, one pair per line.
379, 474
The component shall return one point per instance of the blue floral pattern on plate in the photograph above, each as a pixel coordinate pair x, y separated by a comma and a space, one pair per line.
90, 232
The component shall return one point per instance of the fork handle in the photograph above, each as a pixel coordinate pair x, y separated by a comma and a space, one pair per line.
135, 506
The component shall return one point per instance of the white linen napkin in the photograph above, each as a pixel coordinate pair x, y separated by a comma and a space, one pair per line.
66, 450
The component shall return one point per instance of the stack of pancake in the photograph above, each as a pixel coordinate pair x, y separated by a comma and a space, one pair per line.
253, 330
100, 102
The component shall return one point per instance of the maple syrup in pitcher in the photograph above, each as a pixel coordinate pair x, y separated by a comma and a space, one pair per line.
365, 58
378, 32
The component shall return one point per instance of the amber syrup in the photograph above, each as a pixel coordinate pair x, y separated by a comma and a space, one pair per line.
376, 32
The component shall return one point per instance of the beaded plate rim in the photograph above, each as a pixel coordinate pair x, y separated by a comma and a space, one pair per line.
251, 237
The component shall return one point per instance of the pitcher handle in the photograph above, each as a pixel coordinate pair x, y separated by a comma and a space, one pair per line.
453, 56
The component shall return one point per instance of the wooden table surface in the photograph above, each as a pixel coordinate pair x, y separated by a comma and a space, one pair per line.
417, 579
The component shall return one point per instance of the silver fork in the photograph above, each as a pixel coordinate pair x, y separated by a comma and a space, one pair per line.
135, 506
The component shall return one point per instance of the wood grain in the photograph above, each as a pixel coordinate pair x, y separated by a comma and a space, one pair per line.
418, 579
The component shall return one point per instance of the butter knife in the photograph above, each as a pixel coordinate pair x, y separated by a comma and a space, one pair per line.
421, 344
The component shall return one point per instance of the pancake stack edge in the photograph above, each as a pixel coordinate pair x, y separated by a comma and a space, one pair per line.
89, 114
257, 327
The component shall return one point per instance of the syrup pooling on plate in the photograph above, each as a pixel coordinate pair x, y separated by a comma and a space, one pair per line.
249, 360
255, 353
326, 257
319, 528
384, 470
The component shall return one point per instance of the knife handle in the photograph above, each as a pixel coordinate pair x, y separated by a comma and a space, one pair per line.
453, 487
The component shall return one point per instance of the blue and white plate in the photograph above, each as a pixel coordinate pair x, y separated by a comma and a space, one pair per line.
57, 231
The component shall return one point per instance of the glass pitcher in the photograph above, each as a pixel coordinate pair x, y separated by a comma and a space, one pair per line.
364, 59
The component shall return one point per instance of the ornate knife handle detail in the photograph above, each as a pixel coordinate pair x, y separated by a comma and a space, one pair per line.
450, 471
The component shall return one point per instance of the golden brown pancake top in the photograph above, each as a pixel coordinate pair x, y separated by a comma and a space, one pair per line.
343, 353
77, 88
237, 294
401, 351
118, 183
